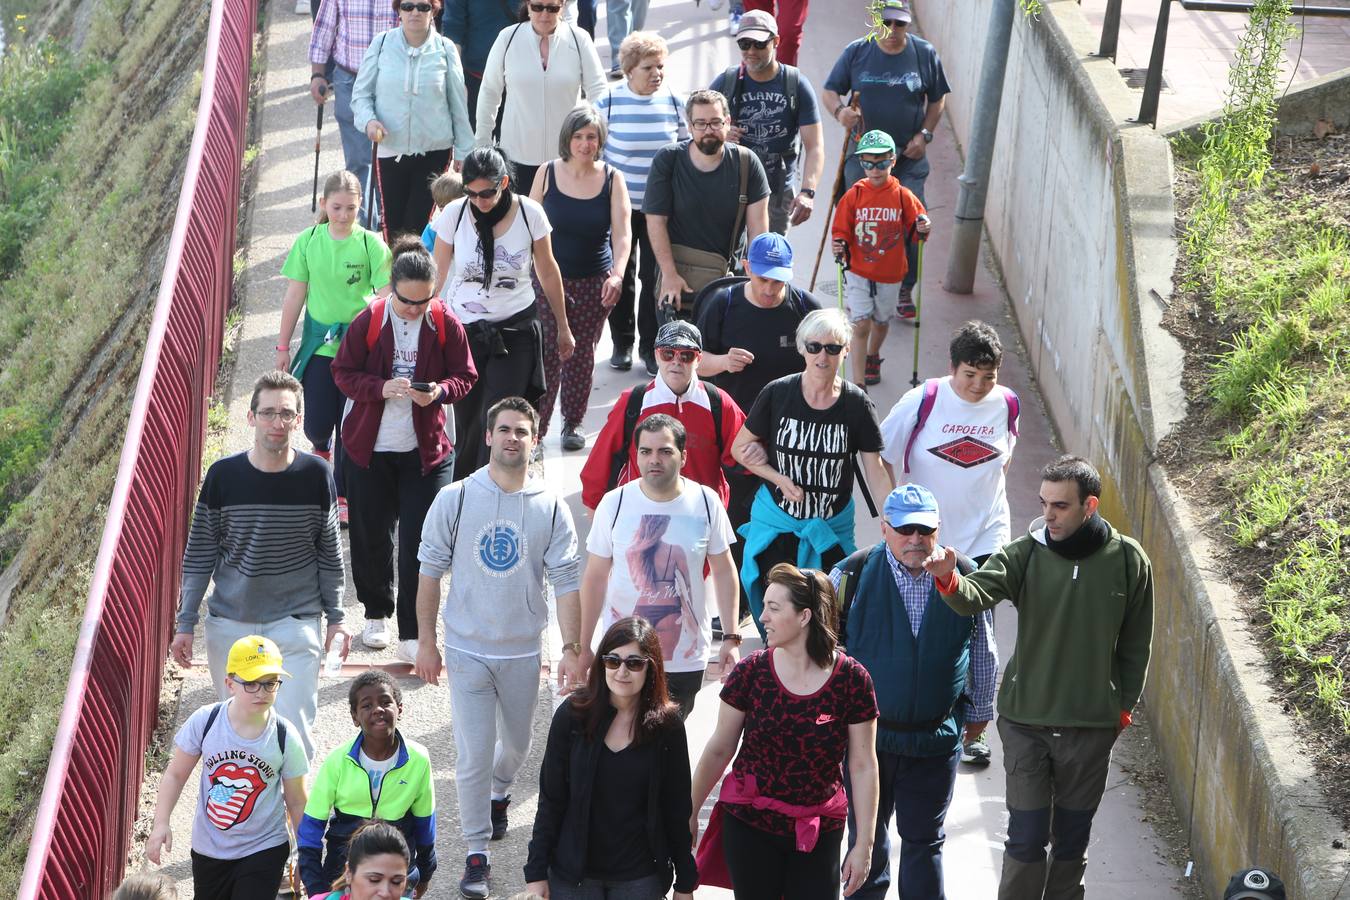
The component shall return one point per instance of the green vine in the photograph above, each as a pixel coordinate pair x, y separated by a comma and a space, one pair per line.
1235, 151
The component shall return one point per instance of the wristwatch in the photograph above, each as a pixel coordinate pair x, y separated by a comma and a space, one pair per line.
809, 192
927, 135
574, 646
736, 639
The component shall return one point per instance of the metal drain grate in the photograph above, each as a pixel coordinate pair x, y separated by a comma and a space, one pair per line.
1134, 78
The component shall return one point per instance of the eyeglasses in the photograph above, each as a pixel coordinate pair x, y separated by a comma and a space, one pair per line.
708, 124
750, 44
252, 687
814, 347
545, 8
612, 662
667, 354
405, 300
420, 7
870, 164
271, 415
482, 195
908, 530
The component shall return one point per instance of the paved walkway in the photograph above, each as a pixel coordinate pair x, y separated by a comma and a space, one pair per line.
1127, 859
1200, 50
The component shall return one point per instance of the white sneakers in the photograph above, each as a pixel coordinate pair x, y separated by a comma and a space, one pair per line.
376, 634
406, 651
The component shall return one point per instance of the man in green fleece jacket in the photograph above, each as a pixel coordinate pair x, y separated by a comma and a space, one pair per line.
1084, 598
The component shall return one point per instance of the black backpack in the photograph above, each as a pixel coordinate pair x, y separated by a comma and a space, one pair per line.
632, 412
734, 77
215, 712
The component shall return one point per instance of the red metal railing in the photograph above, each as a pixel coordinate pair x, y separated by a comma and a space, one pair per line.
89, 800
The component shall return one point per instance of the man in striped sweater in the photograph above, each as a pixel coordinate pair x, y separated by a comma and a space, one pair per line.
265, 530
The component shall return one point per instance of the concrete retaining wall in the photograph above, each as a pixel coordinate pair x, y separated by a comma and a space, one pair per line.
1080, 221
1326, 98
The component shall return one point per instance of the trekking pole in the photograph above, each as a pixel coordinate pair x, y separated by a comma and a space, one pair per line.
835, 193
318, 133
918, 310
369, 198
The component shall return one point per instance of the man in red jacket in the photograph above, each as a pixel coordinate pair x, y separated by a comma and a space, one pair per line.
710, 417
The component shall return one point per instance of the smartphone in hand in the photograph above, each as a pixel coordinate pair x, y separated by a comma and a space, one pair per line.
425, 387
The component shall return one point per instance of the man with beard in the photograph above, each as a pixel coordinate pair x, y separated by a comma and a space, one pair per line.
265, 529
774, 114
501, 533
648, 545
1084, 598
700, 194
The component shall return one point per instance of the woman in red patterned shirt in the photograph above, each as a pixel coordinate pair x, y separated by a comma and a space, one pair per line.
793, 709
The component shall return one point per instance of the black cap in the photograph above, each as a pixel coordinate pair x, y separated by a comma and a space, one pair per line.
1255, 884
679, 333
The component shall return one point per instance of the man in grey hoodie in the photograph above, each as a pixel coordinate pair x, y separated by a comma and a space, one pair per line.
508, 533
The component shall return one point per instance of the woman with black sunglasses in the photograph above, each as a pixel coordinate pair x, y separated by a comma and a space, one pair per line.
409, 99
791, 715
402, 361
800, 438
614, 788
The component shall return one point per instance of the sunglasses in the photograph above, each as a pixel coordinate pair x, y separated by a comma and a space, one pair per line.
405, 300
612, 662
749, 44
908, 530
896, 23
814, 347
252, 687
545, 8
667, 354
870, 164
420, 7
482, 195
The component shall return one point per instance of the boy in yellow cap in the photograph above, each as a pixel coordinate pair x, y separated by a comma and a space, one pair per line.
252, 778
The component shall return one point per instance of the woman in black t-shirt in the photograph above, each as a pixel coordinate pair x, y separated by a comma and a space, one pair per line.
614, 802
800, 439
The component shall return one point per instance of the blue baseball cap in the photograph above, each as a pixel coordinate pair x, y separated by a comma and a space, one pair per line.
911, 504
770, 256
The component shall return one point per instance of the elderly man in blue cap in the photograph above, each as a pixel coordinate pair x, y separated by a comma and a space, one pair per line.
934, 673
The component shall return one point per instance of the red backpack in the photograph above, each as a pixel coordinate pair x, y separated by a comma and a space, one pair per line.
376, 322
929, 400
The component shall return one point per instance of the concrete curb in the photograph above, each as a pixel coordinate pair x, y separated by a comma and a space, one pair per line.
1326, 98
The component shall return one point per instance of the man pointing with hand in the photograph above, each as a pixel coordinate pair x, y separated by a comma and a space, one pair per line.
1084, 597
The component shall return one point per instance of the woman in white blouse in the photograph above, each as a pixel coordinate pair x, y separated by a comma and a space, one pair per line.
487, 246
543, 66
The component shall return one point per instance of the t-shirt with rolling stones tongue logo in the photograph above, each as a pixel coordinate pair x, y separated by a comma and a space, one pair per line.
241, 810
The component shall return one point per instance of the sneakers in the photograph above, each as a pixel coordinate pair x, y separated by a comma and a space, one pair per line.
376, 634
906, 309
499, 818
344, 517
406, 651
615, 75
621, 359
474, 884
572, 438
650, 363
872, 370
976, 752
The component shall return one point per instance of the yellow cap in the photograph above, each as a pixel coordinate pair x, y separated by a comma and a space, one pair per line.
253, 657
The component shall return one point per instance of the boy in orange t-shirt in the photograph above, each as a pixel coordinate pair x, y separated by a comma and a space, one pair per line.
873, 222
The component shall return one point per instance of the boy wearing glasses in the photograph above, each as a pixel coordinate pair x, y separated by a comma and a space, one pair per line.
253, 778
873, 222
885, 598
265, 532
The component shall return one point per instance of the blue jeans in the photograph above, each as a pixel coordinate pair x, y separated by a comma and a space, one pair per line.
912, 173
355, 145
623, 17
918, 790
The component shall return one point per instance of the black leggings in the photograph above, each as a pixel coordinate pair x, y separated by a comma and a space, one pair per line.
499, 376
635, 313
405, 189
247, 878
766, 866
323, 413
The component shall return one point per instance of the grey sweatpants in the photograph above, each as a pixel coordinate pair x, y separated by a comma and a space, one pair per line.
492, 705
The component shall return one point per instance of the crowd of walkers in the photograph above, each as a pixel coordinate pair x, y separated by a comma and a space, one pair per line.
502, 201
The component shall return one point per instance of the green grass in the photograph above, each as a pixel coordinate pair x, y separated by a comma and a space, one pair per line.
95, 146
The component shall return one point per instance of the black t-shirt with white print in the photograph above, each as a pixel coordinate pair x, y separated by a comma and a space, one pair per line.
814, 447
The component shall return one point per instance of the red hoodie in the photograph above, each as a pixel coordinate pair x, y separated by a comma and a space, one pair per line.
701, 461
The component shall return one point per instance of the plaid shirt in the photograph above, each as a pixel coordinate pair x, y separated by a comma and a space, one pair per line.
980, 679
345, 28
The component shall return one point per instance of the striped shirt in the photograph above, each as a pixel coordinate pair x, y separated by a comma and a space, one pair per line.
639, 126
915, 591
269, 540
344, 29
